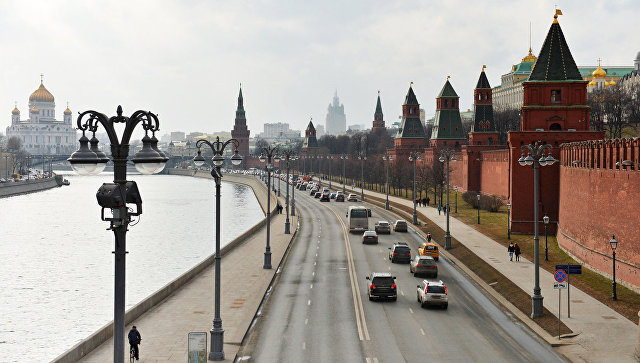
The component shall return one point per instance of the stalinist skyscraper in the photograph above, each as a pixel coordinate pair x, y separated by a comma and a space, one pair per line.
336, 119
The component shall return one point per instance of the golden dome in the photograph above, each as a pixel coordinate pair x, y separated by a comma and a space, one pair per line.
530, 57
67, 111
591, 84
612, 83
599, 72
34, 109
41, 95
15, 111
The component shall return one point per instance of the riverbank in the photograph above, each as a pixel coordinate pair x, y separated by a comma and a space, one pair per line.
29, 186
96, 342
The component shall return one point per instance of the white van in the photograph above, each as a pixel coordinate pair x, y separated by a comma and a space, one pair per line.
358, 219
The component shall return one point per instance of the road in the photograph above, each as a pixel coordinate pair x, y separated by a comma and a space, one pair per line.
319, 310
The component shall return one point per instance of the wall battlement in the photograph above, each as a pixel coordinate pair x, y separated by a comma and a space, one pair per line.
618, 154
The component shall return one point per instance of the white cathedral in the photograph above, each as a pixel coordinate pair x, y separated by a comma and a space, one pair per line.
41, 133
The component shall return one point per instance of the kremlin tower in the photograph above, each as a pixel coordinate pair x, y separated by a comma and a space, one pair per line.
378, 118
240, 131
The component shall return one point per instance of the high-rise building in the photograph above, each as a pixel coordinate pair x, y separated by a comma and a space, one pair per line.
41, 133
240, 131
336, 119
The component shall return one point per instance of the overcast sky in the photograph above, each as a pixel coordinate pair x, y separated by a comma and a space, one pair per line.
185, 59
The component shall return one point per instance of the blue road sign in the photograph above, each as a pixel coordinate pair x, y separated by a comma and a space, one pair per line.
570, 269
560, 276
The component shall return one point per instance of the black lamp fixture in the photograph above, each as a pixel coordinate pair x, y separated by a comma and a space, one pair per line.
614, 244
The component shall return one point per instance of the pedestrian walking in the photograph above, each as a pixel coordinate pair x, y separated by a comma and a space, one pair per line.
424, 202
279, 208
516, 249
511, 249
428, 200
428, 236
444, 209
439, 209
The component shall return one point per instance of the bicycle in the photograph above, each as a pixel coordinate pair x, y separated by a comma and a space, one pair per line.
132, 354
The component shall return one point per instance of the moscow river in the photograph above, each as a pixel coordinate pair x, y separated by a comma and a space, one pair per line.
56, 262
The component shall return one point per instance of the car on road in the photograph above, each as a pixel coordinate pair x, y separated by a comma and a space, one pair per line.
340, 198
313, 191
433, 293
400, 225
400, 252
369, 237
317, 195
382, 227
382, 285
430, 249
325, 197
352, 198
424, 265
303, 187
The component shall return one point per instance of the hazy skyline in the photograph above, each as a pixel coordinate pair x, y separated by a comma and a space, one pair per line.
185, 60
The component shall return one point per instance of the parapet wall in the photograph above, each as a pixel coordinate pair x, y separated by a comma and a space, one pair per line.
494, 173
599, 195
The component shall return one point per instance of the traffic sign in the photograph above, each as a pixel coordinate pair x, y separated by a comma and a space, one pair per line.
559, 285
570, 269
560, 276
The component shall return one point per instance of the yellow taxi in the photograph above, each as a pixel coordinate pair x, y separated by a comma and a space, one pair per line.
429, 249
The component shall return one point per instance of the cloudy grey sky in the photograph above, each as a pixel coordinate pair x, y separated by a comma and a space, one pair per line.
185, 59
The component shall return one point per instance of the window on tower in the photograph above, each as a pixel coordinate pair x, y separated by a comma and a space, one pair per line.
556, 96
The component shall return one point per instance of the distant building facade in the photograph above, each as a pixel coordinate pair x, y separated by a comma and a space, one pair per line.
41, 133
178, 136
336, 119
279, 130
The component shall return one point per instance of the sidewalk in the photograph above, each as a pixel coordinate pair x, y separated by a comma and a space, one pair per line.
603, 334
165, 328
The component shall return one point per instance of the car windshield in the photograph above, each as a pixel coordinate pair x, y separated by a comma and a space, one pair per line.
382, 281
430, 247
383, 223
437, 289
402, 248
369, 233
401, 222
425, 261
358, 213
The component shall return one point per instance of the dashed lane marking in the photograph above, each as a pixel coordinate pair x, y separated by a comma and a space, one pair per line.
308, 302
411, 310
401, 292
311, 286
422, 331
306, 321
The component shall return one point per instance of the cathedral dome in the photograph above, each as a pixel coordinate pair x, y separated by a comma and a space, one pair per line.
34, 109
15, 111
41, 95
599, 73
612, 83
591, 84
530, 57
67, 111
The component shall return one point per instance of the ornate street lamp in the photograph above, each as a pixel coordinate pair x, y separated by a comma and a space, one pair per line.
344, 158
478, 199
6, 166
386, 157
362, 156
287, 155
115, 196
414, 156
269, 154
28, 157
614, 244
293, 189
330, 159
447, 155
537, 155
545, 219
217, 147
456, 190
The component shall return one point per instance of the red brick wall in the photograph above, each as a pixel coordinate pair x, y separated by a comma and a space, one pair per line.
595, 203
494, 173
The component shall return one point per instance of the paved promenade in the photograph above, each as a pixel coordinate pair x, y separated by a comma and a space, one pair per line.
603, 334
165, 328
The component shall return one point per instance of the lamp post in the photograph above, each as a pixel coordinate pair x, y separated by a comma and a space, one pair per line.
287, 155
545, 219
478, 199
414, 156
293, 189
330, 159
344, 158
304, 164
614, 244
6, 166
362, 156
508, 221
386, 157
217, 147
116, 195
447, 155
268, 154
28, 167
279, 176
536, 157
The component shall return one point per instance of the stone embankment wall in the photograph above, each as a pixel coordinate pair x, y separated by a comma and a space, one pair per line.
24, 187
599, 197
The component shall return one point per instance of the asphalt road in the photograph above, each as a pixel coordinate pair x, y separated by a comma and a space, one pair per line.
319, 310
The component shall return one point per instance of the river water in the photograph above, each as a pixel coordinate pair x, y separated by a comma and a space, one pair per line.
56, 263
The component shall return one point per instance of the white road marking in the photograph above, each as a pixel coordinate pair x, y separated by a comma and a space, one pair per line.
422, 331
311, 286
411, 310
314, 263
308, 302
389, 268
304, 345
306, 321
375, 360
401, 292
316, 255
313, 273
368, 360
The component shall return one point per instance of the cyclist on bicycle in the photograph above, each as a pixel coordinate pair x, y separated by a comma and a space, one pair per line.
134, 340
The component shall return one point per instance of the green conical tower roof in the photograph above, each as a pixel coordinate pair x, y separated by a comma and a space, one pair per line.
447, 90
483, 82
555, 62
410, 99
240, 110
379, 106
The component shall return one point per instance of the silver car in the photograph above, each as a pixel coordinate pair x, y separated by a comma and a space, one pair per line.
433, 293
382, 227
424, 265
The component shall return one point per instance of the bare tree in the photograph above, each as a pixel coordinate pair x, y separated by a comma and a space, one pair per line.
506, 119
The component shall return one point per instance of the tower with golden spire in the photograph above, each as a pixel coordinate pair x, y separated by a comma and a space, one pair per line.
240, 131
